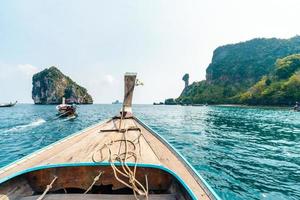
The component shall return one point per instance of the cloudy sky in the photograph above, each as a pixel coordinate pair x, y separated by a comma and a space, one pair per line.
96, 42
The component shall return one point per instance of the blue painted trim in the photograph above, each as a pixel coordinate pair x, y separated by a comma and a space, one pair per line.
52, 144
211, 190
187, 188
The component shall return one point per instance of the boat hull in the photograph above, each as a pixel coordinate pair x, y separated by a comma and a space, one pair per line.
7, 105
160, 180
84, 147
65, 110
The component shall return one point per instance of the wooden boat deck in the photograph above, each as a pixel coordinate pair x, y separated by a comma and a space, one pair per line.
101, 196
85, 147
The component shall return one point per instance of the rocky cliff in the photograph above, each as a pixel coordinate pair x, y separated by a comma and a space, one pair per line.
237, 67
246, 62
50, 85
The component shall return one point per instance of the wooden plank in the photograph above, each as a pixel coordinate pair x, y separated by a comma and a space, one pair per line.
82, 177
15, 189
129, 83
39, 158
101, 197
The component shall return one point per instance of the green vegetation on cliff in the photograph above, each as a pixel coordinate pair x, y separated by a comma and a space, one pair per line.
50, 85
237, 67
170, 101
281, 87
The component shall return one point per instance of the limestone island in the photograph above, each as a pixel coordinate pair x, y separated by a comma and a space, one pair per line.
256, 72
51, 85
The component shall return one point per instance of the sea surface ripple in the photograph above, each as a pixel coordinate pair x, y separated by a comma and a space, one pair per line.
243, 153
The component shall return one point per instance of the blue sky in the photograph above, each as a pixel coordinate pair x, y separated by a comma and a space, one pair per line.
96, 42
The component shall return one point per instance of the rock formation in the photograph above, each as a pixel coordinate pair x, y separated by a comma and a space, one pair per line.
51, 85
185, 78
170, 101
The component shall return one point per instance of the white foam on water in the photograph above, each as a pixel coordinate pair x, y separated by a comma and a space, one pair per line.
35, 123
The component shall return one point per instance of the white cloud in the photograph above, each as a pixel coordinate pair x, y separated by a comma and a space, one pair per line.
28, 69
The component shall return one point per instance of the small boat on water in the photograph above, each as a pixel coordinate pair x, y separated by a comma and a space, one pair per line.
116, 102
156, 104
297, 107
8, 104
66, 110
119, 158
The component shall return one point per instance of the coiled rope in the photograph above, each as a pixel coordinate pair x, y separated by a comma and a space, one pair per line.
122, 157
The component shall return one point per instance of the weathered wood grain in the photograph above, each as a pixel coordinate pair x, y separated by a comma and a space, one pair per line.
84, 146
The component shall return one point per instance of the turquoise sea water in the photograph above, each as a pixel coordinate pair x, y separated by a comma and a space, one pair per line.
243, 153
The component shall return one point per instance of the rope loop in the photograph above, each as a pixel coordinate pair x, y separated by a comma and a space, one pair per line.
124, 172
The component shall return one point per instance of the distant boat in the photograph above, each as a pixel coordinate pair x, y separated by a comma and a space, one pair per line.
117, 102
160, 103
119, 158
66, 110
297, 107
8, 104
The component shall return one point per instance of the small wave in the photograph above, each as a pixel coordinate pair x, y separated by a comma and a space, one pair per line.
35, 123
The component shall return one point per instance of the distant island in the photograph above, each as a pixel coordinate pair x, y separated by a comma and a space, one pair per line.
51, 85
256, 72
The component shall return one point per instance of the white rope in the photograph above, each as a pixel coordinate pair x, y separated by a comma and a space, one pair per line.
95, 180
125, 171
47, 189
